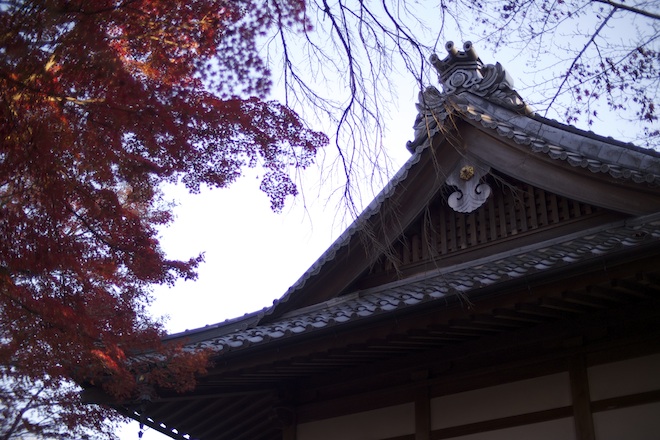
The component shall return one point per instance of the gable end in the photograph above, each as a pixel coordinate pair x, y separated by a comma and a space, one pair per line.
440, 236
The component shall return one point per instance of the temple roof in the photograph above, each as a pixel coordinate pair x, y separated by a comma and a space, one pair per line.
483, 95
460, 281
473, 141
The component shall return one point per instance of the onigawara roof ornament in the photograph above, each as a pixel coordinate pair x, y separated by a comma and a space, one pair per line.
462, 71
482, 95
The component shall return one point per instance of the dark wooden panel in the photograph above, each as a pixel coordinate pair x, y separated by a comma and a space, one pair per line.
514, 209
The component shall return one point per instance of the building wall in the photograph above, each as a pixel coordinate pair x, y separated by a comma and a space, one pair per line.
640, 422
631, 376
625, 400
616, 380
368, 425
510, 399
562, 429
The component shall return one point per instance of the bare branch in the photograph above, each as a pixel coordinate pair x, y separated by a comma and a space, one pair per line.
630, 9
577, 58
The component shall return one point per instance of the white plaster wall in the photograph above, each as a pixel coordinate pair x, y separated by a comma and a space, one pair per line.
368, 425
626, 377
640, 422
631, 376
561, 429
525, 396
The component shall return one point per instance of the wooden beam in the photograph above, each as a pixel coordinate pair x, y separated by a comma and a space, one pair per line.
626, 401
584, 423
502, 423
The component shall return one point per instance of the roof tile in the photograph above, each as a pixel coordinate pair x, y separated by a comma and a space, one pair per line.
459, 280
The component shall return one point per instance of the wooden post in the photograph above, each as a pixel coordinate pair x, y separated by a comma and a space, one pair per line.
584, 424
286, 418
289, 432
423, 415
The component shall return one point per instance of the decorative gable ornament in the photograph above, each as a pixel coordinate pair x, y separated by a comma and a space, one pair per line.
470, 192
473, 91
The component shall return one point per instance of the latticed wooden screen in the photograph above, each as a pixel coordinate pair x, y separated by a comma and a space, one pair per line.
514, 208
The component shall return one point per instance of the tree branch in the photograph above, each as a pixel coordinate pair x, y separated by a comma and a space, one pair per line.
575, 60
20, 414
630, 9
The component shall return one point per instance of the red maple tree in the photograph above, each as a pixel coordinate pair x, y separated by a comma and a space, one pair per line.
100, 103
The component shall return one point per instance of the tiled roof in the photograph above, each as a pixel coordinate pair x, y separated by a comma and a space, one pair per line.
485, 93
491, 102
372, 209
585, 150
457, 280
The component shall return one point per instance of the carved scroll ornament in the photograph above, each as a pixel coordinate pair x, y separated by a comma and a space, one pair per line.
470, 192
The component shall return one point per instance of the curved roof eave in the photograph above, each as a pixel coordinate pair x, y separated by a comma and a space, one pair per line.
460, 280
578, 148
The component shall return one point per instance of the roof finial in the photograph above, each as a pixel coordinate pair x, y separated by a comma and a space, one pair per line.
459, 68
462, 71
451, 48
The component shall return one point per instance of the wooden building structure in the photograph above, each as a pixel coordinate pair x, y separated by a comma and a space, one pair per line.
504, 285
